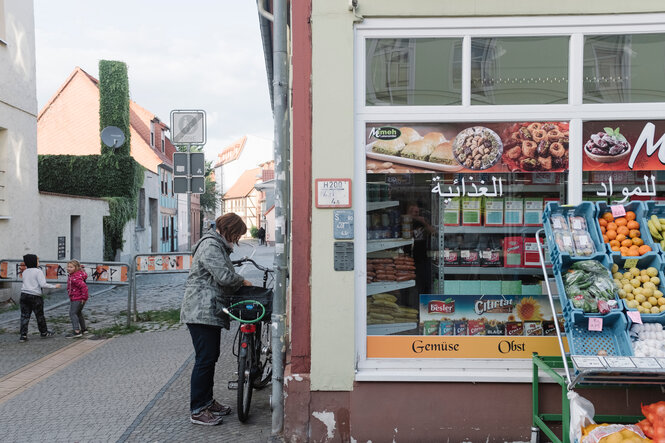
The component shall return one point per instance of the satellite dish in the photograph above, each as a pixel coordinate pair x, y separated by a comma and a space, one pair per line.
113, 137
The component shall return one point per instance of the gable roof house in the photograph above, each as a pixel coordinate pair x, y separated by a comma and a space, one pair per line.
246, 153
69, 124
243, 199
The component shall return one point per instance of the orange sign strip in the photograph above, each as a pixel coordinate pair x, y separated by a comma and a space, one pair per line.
461, 346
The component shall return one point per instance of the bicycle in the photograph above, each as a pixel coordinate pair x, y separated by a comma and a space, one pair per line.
251, 307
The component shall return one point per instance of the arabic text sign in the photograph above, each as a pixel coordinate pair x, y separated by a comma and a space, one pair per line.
170, 262
468, 188
647, 190
56, 272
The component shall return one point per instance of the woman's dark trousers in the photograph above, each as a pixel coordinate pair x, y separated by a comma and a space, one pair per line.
32, 303
206, 340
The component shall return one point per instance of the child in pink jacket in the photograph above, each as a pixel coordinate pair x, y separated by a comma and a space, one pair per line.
78, 295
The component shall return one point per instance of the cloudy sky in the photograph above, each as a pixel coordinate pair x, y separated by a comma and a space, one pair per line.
200, 54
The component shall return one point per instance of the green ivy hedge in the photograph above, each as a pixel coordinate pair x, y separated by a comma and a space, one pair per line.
89, 175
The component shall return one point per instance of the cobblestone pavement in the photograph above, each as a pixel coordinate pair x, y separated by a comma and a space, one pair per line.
134, 387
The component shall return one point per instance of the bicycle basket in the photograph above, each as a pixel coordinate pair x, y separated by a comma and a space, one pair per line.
249, 311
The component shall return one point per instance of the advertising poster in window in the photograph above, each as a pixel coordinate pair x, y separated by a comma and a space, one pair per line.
467, 147
624, 145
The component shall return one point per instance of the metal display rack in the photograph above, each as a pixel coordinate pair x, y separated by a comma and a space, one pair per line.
586, 371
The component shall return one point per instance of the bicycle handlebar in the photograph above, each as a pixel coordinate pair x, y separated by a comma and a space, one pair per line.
256, 265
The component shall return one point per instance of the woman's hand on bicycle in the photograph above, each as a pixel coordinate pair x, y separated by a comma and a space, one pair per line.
247, 283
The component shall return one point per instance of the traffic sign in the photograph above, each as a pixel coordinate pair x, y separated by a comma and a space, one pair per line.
198, 185
180, 163
188, 127
180, 185
198, 163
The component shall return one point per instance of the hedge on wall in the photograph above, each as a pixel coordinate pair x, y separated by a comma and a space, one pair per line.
86, 175
114, 102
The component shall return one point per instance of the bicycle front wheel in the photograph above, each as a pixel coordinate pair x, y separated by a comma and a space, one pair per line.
245, 379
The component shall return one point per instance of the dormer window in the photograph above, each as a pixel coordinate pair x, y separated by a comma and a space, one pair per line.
163, 142
152, 134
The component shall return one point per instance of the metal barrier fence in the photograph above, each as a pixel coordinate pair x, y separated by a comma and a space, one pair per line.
154, 264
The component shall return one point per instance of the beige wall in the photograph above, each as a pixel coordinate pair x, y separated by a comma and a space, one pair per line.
333, 299
19, 213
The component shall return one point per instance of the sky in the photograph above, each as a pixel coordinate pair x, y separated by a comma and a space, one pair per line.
200, 54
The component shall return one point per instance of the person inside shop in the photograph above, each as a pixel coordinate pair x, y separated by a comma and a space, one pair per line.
422, 231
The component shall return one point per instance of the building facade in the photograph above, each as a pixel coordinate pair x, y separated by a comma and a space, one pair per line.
424, 94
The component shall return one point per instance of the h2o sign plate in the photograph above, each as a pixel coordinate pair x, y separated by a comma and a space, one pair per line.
188, 127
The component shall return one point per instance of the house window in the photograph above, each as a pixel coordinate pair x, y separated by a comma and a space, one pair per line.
163, 142
140, 219
152, 135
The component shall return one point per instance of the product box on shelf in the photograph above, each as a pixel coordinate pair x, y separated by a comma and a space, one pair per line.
531, 257
511, 287
493, 211
512, 252
471, 210
513, 211
469, 256
533, 211
630, 213
451, 212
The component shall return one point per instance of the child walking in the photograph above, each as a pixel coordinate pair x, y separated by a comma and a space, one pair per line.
78, 295
31, 297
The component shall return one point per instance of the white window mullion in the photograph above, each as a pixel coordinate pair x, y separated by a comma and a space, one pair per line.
575, 162
466, 71
576, 70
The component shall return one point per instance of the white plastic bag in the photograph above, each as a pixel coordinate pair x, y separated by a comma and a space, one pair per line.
581, 414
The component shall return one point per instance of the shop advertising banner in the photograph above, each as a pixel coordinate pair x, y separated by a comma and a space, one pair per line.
626, 145
467, 147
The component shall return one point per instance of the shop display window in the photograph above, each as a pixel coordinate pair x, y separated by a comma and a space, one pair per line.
519, 70
624, 68
414, 71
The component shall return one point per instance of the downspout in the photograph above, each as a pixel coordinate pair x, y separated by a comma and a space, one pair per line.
282, 171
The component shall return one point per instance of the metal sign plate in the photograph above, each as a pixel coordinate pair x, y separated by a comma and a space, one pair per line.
343, 256
343, 224
180, 163
198, 185
188, 127
180, 185
198, 163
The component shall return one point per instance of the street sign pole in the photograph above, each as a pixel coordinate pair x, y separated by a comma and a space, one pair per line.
189, 198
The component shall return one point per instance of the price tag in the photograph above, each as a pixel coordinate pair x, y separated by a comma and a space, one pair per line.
661, 362
619, 362
587, 361
630, 263
635, 316
618, 210
595, 324
645, 362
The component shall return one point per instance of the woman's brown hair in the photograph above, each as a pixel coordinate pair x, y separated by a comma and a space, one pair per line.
231, 227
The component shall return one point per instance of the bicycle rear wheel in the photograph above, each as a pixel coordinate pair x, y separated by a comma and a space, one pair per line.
245, 379
264, 376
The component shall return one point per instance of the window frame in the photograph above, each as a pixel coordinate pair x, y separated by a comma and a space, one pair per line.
574, 111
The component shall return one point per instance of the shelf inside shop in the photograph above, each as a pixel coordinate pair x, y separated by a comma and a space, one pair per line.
373, 206
388, 243
490, 229
387, 286
390, 328
470, 270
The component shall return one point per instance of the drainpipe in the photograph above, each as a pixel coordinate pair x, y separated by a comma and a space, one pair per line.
280, 84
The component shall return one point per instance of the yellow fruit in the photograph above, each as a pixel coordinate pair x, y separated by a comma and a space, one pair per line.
657, 293
643, 272
655, 309
628, 287
622, 293
647, 292
625, 281
633, 304
615, 268
640, 298
649, 285
612, 438
640, 309
655, 280
617, 275
636, 283
652, 272
631, 296
644, 278
635, 271
646, 305
653, 301
662, 308
661, 301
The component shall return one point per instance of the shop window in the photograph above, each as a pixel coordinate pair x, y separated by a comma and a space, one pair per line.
519, 70
624, 68
422, 71
451, 246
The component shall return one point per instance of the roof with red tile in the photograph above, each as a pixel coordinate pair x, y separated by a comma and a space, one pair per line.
69, 124
231, 152
244, 185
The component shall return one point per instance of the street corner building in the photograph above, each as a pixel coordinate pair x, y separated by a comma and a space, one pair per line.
428, 141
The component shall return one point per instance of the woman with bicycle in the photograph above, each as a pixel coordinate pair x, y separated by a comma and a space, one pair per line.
212, 279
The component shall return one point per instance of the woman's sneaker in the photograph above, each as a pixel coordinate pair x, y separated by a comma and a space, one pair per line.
219, 409
74, 334
206, 418
23, 338
47, 334
85, 332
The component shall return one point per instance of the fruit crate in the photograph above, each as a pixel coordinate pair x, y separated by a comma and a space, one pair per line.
656, 208
613, 339
639, 209
584, 209
653, 319
574, 315
643, 262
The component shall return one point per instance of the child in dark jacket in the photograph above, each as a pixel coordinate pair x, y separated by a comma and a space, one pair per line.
31, 296
78, 295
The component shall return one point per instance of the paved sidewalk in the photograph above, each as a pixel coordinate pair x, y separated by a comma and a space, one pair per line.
130, 388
